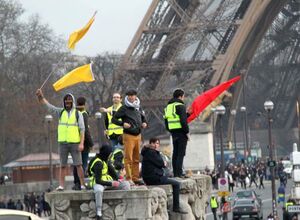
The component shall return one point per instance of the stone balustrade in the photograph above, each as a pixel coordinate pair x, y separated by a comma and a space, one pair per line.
141, 202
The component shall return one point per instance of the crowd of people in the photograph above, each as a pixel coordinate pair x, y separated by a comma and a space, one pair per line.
32, 202
117, 165
245, 176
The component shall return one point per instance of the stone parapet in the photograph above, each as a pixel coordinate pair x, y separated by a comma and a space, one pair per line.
141, 202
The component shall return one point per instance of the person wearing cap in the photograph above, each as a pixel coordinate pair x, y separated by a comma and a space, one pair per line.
88, 141
70, 135
113, 131
176, 123
103, 176
133, 120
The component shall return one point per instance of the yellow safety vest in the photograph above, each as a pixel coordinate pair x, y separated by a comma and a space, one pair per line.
288, 204
113, 128
105, 176
111, 157
172, 117
68, 129
213, 203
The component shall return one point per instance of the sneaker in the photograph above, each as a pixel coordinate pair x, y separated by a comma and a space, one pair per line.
131, 183
139, 182
76, 187
60, 188
82, 187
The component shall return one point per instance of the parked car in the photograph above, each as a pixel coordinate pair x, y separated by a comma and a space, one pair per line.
10, 214
248, 194
247, 208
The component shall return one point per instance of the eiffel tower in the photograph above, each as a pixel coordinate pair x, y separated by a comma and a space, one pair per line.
197, 44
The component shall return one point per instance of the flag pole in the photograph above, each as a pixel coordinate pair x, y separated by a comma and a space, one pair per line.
50, 74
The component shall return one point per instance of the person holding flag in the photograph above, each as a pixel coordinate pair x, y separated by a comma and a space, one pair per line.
176, 123
71, 131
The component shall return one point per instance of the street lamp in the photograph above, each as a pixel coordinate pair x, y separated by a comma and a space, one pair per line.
233, 113
98, 116
247, 152
269, 105
49, 119
220, 110
213, 133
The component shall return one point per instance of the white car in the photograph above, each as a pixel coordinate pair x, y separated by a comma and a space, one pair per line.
10, 214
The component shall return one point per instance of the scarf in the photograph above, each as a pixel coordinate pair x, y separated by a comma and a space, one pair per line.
135, 104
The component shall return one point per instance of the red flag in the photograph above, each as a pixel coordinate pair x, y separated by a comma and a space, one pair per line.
203, 100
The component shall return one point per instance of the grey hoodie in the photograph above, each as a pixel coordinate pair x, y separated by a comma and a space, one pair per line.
57, 111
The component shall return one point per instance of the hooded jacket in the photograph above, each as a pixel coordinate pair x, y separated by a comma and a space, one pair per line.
152, 165
103, 155
58, 111
181, 111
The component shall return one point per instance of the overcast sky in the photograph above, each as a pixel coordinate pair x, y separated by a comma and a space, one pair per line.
113, 29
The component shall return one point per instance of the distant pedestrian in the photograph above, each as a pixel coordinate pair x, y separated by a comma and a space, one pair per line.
214, 206
19, 205
225, 208
261, 178
281, 194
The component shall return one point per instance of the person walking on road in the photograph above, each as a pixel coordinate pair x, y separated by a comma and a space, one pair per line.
214, 206
176, 123
132, 118
261, 178
281, 194
70, 135
113, 131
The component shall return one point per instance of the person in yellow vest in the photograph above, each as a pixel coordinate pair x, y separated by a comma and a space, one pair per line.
113, 131
176, 123
103, 176
70, 135
116, 158
214, 206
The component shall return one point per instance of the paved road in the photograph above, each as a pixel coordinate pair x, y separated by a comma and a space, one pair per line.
265, 195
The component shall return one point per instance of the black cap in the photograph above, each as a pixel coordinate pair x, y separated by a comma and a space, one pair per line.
131, 92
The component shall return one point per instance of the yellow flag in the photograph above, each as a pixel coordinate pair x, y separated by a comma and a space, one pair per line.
77, 35
80, 74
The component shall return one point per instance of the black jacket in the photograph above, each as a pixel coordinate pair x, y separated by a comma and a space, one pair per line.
132, 116
105, 151
88, 141
152, 165
181, 111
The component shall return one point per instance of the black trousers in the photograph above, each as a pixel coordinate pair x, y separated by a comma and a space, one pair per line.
165, 181
179, 147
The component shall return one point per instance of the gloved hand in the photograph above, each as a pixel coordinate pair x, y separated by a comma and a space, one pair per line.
115, 184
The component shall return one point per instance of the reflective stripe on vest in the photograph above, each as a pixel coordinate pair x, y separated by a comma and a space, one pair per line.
113, 128
213, 203
172, 117
68, 130
105, 176
288, 204
112, 156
